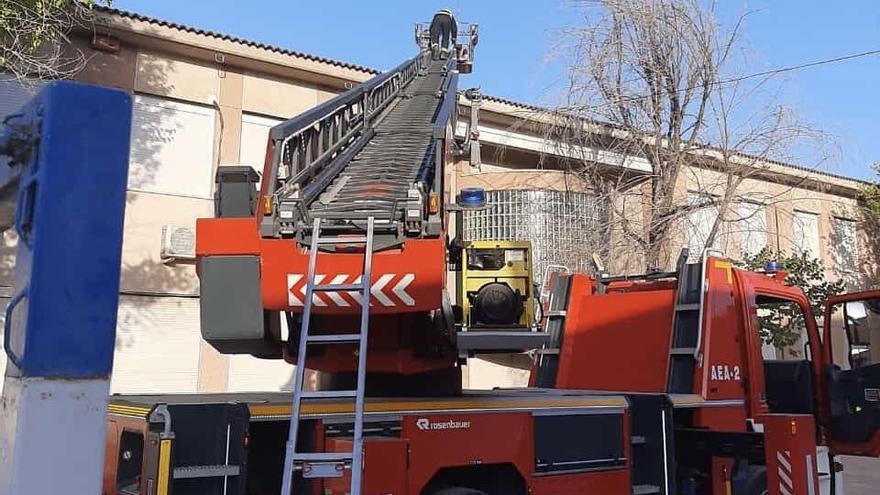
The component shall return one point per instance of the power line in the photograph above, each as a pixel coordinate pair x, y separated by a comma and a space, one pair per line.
802, 66
770, 72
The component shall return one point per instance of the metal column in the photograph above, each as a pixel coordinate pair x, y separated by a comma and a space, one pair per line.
64, 167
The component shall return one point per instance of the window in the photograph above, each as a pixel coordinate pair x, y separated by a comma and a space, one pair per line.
752, 227
157, 345
845, 246
806, 234
782, 324
564, 227
698, 227
788, 379
128, 465
254, 136
172, 147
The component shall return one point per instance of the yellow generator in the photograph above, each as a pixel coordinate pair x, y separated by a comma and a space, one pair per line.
495, 286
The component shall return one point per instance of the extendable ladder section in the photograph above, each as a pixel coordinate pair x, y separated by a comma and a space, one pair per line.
331, 464
686, 328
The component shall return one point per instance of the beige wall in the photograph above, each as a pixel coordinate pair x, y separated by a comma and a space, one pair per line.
276, 97
142, 269
175, 77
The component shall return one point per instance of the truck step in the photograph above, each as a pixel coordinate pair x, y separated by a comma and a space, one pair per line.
337, 338
316, 457
646, 489
328, 394
683, 351
215, 471
343, 240
687, 307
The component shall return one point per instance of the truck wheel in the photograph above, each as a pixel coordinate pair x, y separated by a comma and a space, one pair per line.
457, 490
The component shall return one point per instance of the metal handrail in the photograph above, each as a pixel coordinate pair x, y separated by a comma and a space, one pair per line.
307, 143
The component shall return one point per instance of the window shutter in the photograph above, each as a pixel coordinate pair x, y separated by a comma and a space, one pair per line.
172, 147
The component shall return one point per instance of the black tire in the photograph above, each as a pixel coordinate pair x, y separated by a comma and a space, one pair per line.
456, 490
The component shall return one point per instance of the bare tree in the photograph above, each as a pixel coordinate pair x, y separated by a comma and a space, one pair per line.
661, 120
34, 37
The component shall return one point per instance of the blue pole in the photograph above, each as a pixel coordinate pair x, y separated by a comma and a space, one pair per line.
64, 176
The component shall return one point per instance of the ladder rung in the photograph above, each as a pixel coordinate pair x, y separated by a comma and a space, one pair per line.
322, 456
338, 338
558, 312
683, 350
547, 351
646, 489
687, 307
342, 240
329, 394
338, 287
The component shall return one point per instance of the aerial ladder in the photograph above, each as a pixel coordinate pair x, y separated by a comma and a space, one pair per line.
346, 241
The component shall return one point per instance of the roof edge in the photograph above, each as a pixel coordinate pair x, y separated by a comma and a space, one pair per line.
234, 39
524, 107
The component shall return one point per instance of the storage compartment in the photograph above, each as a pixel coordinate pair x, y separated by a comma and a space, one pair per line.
578, 442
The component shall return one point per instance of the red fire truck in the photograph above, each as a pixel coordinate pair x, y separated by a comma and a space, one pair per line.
644, 384
680, 401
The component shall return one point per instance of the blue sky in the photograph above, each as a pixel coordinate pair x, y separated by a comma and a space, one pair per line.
517, 38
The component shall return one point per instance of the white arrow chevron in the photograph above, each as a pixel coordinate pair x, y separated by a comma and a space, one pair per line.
292, 279
400, 289
335, 296
317, 301
355, 294
377, 290
380, 284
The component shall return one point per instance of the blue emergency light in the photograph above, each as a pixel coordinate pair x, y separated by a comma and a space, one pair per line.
772, 267
472, 197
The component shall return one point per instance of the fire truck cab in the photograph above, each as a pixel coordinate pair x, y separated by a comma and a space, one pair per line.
710, 320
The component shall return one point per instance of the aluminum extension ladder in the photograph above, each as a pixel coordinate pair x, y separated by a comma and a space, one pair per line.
330, 464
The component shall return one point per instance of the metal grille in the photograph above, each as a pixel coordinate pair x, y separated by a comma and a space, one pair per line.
564, 227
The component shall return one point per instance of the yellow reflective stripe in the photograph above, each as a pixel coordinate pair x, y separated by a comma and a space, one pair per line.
727, 267
164, 467
122, 410
439, 406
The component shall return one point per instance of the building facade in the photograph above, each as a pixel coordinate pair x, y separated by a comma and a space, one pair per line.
203, 100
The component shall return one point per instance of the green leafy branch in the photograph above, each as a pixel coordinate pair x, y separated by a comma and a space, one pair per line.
33, 36
781, 323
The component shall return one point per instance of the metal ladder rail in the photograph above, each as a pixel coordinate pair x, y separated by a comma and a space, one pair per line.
687, 327
324, 458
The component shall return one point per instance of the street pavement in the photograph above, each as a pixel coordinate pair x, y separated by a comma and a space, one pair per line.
861, 476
